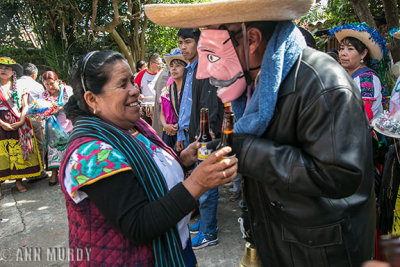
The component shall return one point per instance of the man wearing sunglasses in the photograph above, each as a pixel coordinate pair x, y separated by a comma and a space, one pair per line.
146, 80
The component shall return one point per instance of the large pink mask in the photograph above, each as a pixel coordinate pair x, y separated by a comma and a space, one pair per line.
219, 62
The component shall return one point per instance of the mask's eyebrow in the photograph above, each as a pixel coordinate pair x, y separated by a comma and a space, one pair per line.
206, 48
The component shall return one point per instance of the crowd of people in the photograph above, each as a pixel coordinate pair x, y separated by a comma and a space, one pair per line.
34, 128
123, 145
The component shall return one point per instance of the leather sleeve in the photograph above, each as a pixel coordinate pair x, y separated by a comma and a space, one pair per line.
327, 159
123, 202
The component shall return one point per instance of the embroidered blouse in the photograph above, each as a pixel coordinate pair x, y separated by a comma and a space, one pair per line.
370, 87
98, 160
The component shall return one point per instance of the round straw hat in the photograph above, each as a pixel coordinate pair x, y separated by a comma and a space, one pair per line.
175, 54
225, 11
369, 37
395, 33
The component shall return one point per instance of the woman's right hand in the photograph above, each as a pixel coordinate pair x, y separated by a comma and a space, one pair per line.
6, 127
170, 129
212, 172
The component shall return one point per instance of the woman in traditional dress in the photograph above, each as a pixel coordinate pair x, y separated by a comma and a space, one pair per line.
19, 153
361, 50
171, 97
362, 53
56, 137
125, 191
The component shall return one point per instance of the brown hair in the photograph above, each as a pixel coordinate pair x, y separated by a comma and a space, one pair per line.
49, 75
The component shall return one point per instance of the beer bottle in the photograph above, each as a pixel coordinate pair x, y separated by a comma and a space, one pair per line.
205, 135
227, 108
227, 133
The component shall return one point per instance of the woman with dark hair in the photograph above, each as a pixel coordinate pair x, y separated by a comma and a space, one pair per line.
57, 125
125, 194
19, 153
141, 65
171, 97
361, 48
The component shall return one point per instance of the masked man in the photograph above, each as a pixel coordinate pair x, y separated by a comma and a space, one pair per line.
301, 135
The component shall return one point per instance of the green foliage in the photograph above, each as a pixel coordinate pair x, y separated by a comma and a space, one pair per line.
11, 25
339, 12
160, 39
25, 55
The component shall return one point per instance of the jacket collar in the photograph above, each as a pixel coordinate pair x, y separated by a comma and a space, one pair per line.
289, 84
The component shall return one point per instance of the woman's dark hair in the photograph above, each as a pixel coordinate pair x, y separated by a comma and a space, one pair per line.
358, 45
140, 64
91, 72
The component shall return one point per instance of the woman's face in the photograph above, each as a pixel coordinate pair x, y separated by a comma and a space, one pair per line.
176, 68
143, 67
118, 102
6, 72
349, 57
52, 87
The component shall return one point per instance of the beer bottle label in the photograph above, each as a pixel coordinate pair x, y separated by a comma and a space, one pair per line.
203, 152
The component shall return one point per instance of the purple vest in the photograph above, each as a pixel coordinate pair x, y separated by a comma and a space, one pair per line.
89, 230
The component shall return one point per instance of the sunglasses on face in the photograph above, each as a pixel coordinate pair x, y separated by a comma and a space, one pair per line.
158, 63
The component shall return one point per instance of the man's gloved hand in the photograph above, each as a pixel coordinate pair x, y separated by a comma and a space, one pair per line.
237, 144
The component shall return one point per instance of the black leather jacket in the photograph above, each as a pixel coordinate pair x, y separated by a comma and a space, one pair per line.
309, 179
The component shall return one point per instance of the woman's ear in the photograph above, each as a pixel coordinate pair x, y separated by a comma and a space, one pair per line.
364, 53
92, 101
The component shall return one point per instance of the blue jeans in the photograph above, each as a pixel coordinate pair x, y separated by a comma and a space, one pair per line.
208, 211
236, 183
186, 141
169, 140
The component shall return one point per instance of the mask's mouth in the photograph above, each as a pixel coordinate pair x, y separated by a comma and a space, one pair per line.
225, 83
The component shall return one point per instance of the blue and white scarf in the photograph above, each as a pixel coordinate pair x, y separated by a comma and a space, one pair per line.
283, 50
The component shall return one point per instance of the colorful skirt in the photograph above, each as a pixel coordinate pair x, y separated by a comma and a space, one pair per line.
12, 163
396, 216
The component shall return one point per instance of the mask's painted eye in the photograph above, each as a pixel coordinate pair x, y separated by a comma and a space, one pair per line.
212, 58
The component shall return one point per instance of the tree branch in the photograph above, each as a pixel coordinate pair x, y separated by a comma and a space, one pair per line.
124, 49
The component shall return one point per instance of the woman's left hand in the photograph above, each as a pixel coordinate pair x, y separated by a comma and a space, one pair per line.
189, 154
